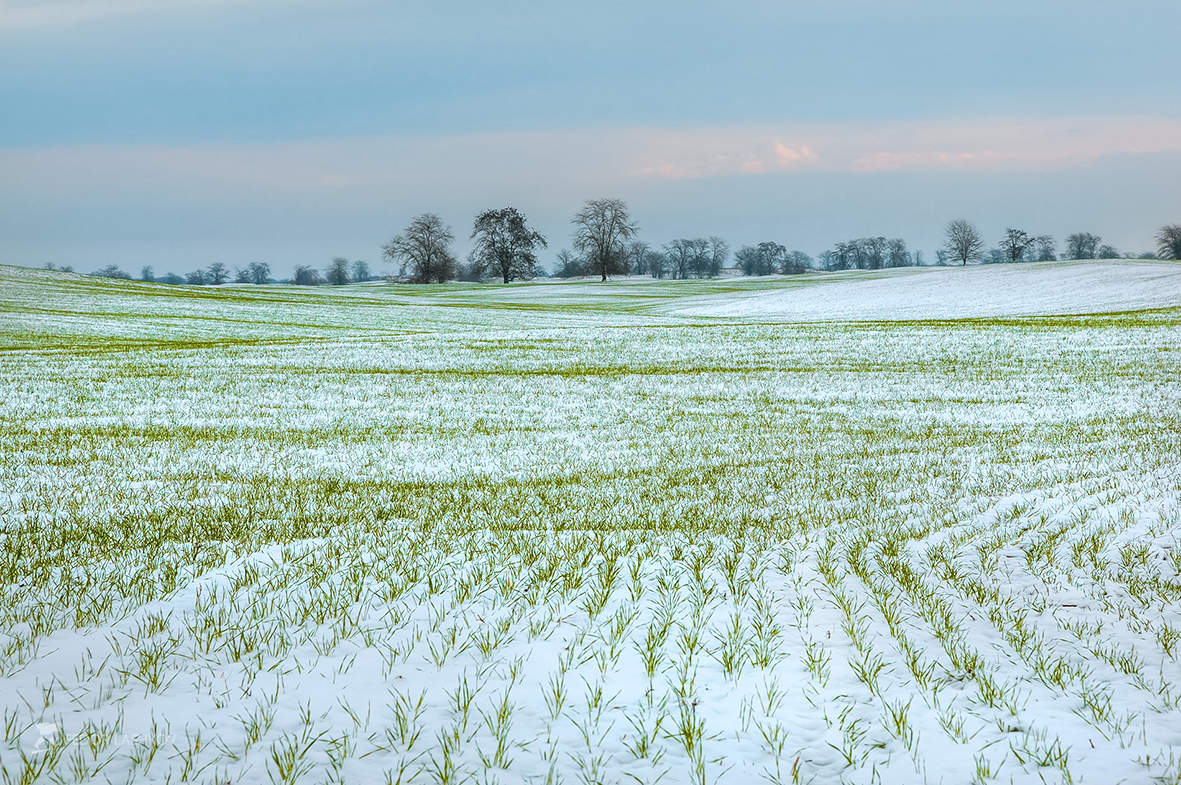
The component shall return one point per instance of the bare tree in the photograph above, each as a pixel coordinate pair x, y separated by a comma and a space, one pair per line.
1015, 243
1047, 250
896, 253
875, 252
719, 253
796, 263
963, 240
360, 271
657, 264
146, 274
505, 244
306, 275
1168, 242
679, 254
637, 257
700, 259
337, 272
1107, 252
602, 227
241, 275
642, 259
260, 272
112, 271
569, 265
1082, 245
762, 259
423, 250
218, 274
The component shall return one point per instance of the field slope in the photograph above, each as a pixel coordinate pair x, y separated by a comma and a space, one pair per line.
914, 526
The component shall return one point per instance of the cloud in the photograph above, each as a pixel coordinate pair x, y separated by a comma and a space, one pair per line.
980, 145
794, 155
566, 163
689, 155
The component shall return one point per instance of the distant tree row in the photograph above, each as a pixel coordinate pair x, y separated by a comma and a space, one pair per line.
868, 253
340, 271
768, 258
605, 242
964, 243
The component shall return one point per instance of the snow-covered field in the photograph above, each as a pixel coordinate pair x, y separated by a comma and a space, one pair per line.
581, 533
961, 292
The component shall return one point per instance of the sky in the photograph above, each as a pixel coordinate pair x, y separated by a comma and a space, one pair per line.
176, 133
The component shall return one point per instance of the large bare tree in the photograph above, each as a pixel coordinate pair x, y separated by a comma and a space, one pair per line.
963, 240
601, 228
1168, 242
423, 251
505, 244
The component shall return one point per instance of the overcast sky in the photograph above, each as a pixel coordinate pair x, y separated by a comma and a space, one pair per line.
190, 131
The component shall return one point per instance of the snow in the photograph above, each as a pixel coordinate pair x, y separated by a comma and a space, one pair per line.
960, 292
370, 535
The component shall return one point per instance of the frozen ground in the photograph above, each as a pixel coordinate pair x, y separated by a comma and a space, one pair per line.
574, 533
960, 292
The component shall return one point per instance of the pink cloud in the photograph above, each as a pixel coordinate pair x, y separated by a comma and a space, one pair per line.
572, 162
981, 145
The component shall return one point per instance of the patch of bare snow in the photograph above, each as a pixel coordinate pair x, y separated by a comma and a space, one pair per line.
963, 292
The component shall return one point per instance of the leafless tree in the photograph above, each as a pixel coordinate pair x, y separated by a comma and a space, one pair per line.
1168, 242
1047, 250
876, 249
360, 270
896, 253
602, 227
337, 272
306, 275
1082, 245
719, 254
260, 272
1015, 244
218, 274
770, 257
569, 265
963, 240
700, 258
796, 263
423, 250
679, 254
112, 271
762, 259
637, 257
657, 264
505, 244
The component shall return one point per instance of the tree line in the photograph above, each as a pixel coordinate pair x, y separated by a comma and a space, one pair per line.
605, 242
